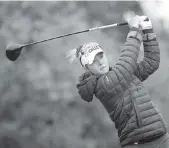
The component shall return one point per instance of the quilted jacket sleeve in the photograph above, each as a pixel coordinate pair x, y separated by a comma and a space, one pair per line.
127, 62
151, 59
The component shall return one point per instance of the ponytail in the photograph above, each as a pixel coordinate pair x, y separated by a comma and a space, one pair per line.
74, 54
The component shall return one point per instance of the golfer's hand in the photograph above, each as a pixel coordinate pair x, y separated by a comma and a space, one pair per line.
135, 21
146, 23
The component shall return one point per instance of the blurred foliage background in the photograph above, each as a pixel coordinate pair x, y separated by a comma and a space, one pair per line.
39, 105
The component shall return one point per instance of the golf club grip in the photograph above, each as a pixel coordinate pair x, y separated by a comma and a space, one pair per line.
122, 24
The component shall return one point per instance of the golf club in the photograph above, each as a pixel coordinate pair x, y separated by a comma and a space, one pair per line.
13, 51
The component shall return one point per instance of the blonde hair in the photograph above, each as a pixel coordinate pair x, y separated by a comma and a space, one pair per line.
74, 54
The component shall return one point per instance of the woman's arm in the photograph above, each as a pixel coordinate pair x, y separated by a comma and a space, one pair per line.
127, 62
126, 65
151, 59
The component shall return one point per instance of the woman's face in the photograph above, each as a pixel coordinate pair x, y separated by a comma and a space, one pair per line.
100, 64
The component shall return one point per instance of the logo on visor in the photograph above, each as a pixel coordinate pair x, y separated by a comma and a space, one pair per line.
92, 49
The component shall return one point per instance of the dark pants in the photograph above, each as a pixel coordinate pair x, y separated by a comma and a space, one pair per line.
162, 142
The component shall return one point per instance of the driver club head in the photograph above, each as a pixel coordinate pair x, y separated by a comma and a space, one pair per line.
13, 51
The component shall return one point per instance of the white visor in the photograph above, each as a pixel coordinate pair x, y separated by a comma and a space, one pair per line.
89, 52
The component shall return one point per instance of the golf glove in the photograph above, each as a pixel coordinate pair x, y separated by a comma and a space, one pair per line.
134, 21
145, 24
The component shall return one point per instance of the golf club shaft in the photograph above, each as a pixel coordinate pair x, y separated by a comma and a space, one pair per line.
108, 26
91, 29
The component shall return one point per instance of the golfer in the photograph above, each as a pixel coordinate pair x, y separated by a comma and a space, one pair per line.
120, 88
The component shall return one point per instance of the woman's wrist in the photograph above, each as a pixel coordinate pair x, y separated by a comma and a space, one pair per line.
148, 31
139, 30
136, 33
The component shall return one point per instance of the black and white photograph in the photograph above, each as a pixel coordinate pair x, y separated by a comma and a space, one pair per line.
84, 74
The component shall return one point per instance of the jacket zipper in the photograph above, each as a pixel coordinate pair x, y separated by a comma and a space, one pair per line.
137, 112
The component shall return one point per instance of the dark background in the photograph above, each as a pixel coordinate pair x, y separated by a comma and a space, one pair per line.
39, 102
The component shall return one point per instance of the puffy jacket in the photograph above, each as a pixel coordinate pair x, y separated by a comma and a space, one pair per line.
122, 93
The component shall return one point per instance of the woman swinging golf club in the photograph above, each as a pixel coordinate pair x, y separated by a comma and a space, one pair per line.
120, 88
